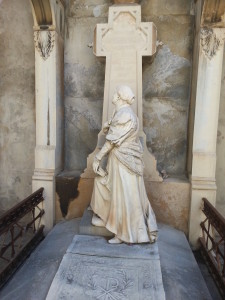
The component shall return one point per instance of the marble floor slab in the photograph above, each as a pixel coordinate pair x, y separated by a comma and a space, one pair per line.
93, 269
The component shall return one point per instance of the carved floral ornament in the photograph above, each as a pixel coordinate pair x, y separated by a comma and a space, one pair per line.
44, 41
211, 41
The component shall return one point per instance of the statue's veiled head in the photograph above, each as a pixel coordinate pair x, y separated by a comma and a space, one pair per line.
125, 94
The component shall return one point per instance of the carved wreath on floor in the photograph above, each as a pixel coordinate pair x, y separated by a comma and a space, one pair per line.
108, 287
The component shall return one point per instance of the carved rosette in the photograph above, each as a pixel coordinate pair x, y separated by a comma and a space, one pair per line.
211, 41
44, 41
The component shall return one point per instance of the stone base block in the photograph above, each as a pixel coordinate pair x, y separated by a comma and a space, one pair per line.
94, 269
170, 199
87, 228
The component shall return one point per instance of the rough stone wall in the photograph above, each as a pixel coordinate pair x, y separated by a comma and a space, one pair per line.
166, 81
17, 104
220, 167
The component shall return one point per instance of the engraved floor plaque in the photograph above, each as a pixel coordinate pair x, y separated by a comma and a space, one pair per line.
93, 269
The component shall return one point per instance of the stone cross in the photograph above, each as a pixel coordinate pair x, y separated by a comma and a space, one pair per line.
124, 40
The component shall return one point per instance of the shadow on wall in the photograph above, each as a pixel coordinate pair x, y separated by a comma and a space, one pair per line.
67, 191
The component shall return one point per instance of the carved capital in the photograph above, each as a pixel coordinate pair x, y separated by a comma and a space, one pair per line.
211, 41
44, 41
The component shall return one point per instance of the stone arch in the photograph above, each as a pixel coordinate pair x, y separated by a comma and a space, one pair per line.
48, 15
42, 13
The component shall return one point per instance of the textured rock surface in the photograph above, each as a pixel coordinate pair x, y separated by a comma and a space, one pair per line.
166, 82
17, 120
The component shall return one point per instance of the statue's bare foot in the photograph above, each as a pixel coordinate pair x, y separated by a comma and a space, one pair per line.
96, 221
115, 240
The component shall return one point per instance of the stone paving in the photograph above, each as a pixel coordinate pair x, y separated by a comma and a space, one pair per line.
182, 278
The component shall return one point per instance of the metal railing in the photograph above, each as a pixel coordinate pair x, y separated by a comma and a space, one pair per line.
213, 243
20, 232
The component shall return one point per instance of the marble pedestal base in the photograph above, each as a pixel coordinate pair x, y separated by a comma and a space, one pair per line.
94, 269
87, 228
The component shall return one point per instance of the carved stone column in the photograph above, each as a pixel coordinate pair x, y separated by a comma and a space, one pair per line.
203, 183
49, 64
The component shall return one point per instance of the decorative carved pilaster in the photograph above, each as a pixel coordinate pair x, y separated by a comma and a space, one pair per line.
44, 41
211, 41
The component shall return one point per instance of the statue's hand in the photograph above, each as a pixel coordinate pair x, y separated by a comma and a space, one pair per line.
106, 127
96, 165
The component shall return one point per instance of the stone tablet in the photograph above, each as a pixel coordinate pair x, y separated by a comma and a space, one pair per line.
116, 272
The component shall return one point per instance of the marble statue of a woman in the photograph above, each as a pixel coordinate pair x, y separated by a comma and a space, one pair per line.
119, 200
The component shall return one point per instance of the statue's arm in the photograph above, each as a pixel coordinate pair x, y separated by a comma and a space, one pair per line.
98, 157
107, 147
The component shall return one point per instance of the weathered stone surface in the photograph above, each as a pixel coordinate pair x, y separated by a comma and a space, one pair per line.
165, 125
66, 190
73, 195
176, 33
84, 88
166, 87
40, 268
166, 82
86, 8
170, 201
181, 276
166, 7
220, 166
83, 122
109, 271
101, 248
17, 121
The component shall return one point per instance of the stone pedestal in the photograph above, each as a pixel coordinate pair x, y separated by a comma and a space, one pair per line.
170, 199
86, 228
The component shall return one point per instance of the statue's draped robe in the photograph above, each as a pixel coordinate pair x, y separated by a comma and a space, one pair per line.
120, 198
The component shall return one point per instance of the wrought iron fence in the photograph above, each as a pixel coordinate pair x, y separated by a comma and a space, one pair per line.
20, 232
213, 243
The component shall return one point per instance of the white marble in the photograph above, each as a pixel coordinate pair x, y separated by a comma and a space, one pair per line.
119, 198
130, 273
